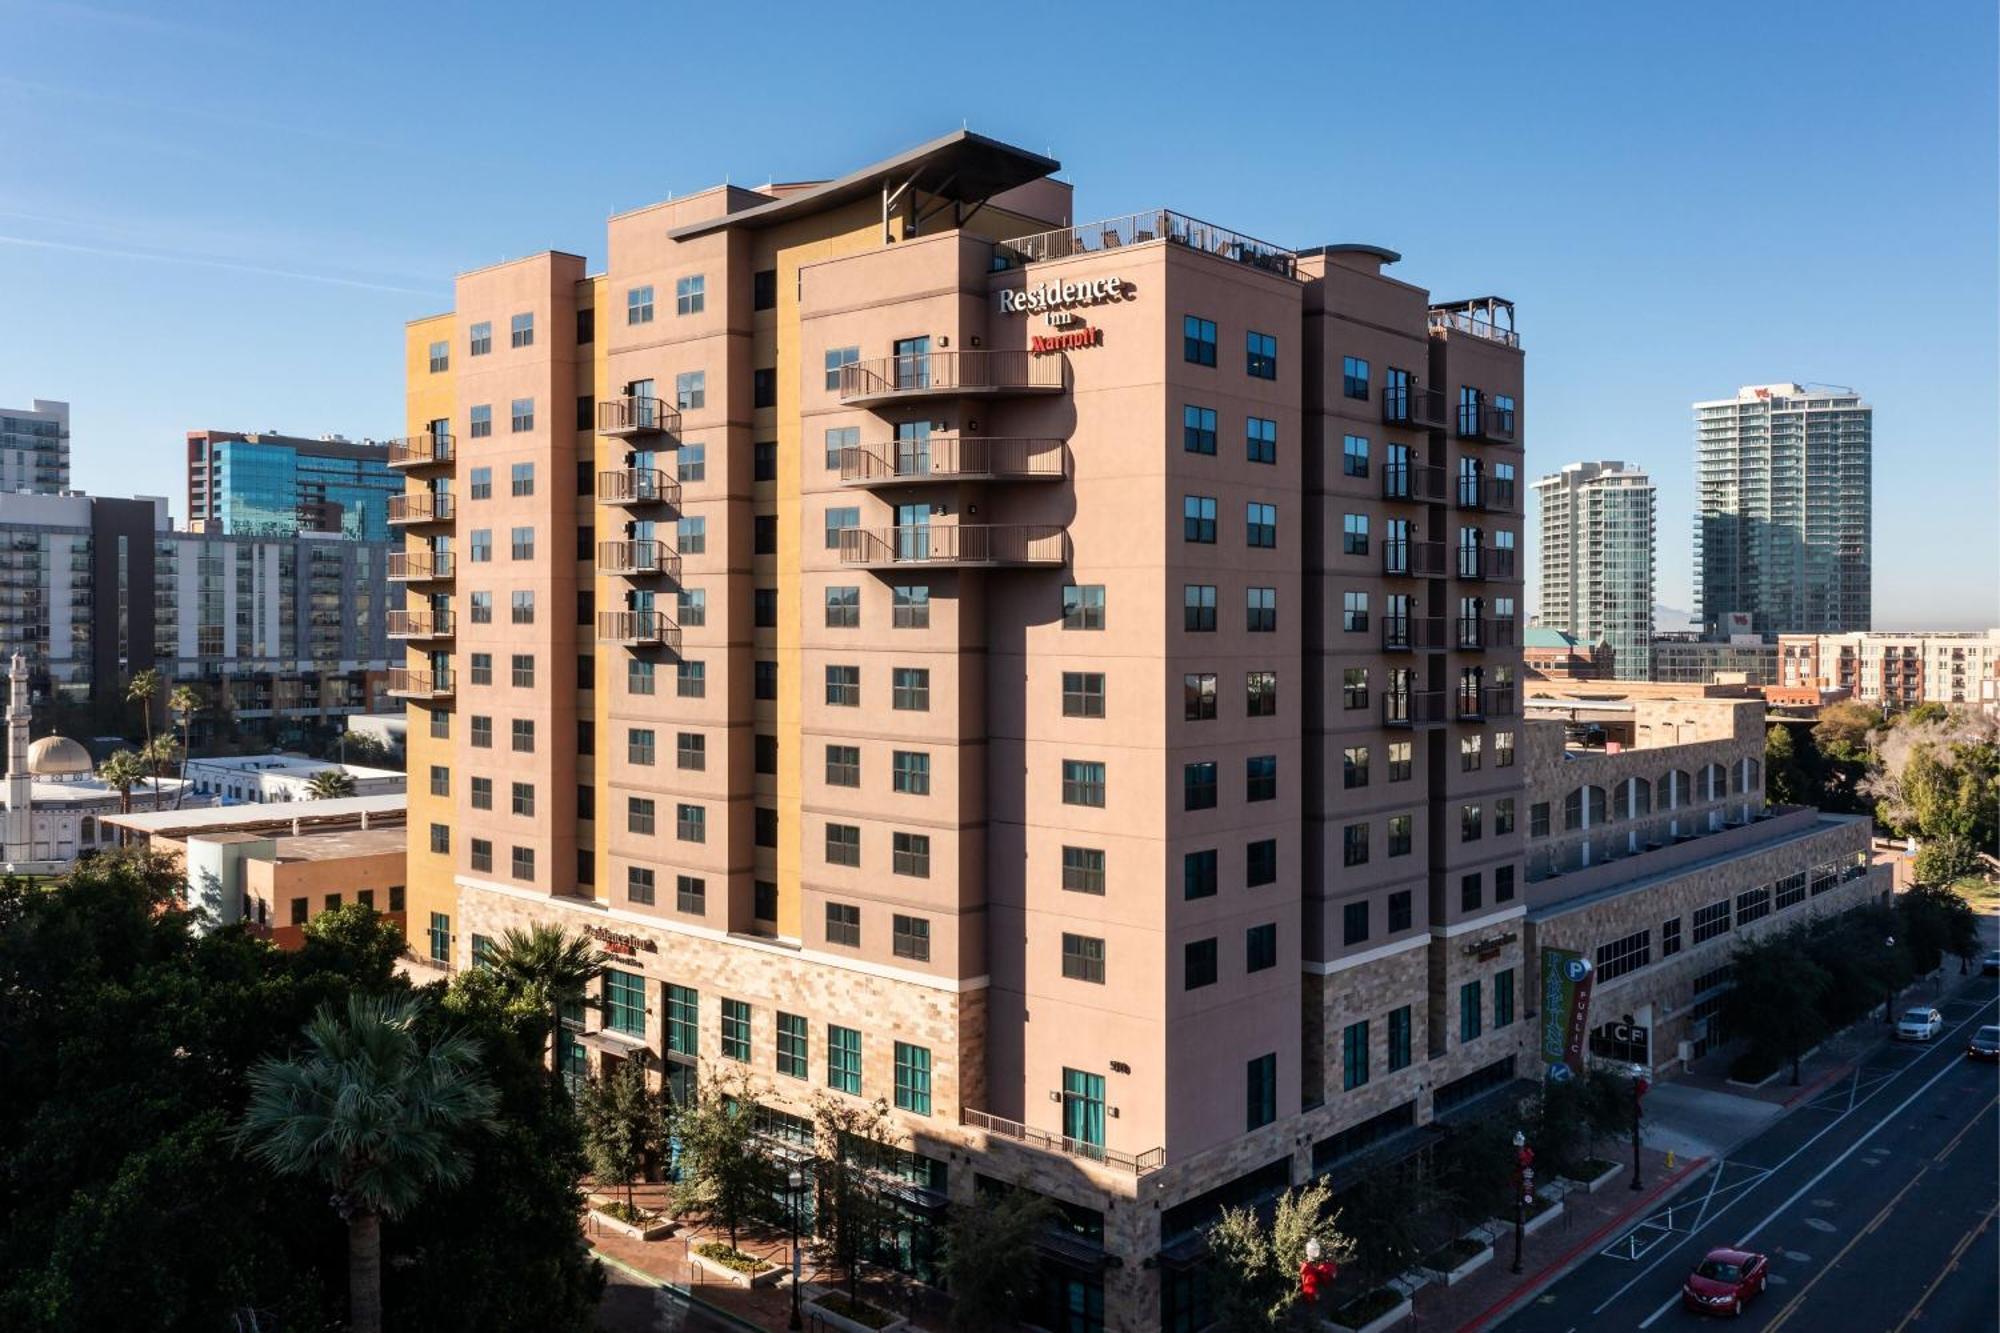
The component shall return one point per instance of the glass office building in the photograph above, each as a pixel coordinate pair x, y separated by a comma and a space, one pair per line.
280, 485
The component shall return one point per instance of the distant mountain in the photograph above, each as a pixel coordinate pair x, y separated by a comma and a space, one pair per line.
1669, 620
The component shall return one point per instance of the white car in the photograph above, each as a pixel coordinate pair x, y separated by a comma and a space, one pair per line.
1919, 1025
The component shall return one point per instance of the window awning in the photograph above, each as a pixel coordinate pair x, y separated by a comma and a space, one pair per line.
612, 1042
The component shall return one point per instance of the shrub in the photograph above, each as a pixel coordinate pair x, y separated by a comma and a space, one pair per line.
718, 1253
849, 1307
1370, 1306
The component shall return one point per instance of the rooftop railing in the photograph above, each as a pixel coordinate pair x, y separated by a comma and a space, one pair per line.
1447, 322
1137, 229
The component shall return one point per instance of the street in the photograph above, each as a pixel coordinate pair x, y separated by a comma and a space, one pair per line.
1875, 1199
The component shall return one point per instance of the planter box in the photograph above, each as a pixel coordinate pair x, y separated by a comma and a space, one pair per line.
652, 1230
1395, 1315
1459, 1274
1543, 1219
1598, 1182
721, 1272
846, 1325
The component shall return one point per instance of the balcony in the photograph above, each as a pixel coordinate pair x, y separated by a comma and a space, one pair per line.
421, 624
419, 508
1408, 633
1495, 494
926, 375
423, 451
638, 629
425, 686
637, 486
1495, 425
628, 417
420, 566
640, 558
979, 546
1406, 708
951, 458
1502, 701
1478, 633
1413, 560
1482, 563
1137, 229
1421, 482
1408, 405
1138, 1164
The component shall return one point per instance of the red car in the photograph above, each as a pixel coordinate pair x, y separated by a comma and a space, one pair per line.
1722, 1282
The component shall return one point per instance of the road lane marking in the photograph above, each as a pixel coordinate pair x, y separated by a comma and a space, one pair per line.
1959, 1137
1832, 1263
1950, 1266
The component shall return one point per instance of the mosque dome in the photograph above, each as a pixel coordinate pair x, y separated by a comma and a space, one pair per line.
59, 757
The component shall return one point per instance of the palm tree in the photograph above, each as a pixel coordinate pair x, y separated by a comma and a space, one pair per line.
375, 1112
157, 756
329, 783
552, 970
142, 689
183, 703
122, 772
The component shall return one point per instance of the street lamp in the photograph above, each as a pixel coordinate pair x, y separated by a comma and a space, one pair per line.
1889, 979
1524, 1181
795, 1183
1639, 1086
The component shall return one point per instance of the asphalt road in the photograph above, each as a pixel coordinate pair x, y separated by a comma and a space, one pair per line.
1875, 1200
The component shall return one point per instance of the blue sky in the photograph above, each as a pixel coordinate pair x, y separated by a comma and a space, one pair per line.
220, 215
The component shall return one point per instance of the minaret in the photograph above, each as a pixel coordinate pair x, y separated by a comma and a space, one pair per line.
20, 790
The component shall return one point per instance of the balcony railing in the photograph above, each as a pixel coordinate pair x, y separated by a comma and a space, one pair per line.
1412, 708
1458, 321
1477, 633
1489, 493
420, 507
1158, 225
429, 450
981, 545
1405, 633
421, 624
420, 566
1137, 1163
945, 374
1415, 560
638, 629
1412, 481
1409, 405
1485, 562
952, 458
413, 683
1502, 701
639, 558
637, 415
1480, 422
637, 486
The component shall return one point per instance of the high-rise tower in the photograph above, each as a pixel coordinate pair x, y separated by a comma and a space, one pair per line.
1596, 577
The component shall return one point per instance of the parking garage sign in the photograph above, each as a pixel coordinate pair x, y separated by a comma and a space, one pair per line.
1566, 979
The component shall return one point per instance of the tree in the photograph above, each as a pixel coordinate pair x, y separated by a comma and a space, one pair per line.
1938, 924
1777, 999
1560, 1128
1387, 1221
548, 968
355, 941
122, 772
142, 689
991, 1257
624, 1122
183, 704
1788, 776
1843, 730
158, 756
848, 1138
329, 784
1254, 1271
1945, 860
1939, 778
725, 1170
373, 1111
1607, 1105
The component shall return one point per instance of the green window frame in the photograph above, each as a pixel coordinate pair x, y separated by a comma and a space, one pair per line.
1399, 1039
683, 1020
913, 1078
843, 1059
793, 1045
625, 1002
1468, 1011
1261, 1087
1503, 999
440, 934
735, 1030
482, 951
1354, 1056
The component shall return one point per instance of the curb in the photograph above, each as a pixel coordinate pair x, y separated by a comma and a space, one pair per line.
638, 1274
1817, 1085
1557, 1268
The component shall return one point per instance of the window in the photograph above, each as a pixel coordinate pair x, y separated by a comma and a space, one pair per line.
1260, 778
1711, 921
640, 814
1083, 958
843, 766
481, 609
480, 668
1354, 845
1354, 766
836, 357
1354, 377
1399, 911
1198, 964
1354, 1056
1503, 749
843, 1059
690, 294
1260, 437
482, 483
479, 546
1471, 822
1354, 923
1471, 750
691, 463
910, 854
522, 416
521, 330
1354, 534
1538, 820
524, 735
683, 1026
639, 305
764, 900
910, 606
1354, 456
640, 746
524, 799
524, 671
1791, 890
691, 679
524, 864
764, 534
1260, 524
1198, 874
690, 894
482, 338
1083, 693
1260, 694
1470, 892
839, 520
735, 1030
1198, 518
1503, 816
1503, 884
522, 543
843, 923
1503, 999
482, 854
639, 884
1260, 352
1399, 1039
521, 606
1354, 612
1198, 697
1354, 694
522, 478
1260, 863
910, 689
1198, 340
1261, 610
1469, 1016
691, 390
1262, 1081
792, 1053
764, 826
1260, 947
638, 676
440, 357
764, 755
910, 772
843, 845
1198, 616
1198, 785
764, 289
1083, 870
482, 733
911, 937
1198, 429
1082, 783
913, 1078
1625, 955
440, 780
843, 686
1753, 905
690, 751
764, 682
1399, 835
1670, 938
1083, 606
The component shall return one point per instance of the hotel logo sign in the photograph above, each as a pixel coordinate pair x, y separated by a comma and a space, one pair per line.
1051, 296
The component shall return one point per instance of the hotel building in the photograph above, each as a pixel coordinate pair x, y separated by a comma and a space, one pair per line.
1060, 679
1597, 559
1895, 671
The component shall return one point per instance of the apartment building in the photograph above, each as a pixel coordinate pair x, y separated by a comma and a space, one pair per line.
34, 447
1060, 679
1894, 671
1784, 526
271, 485
1686, 659
1597, 559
